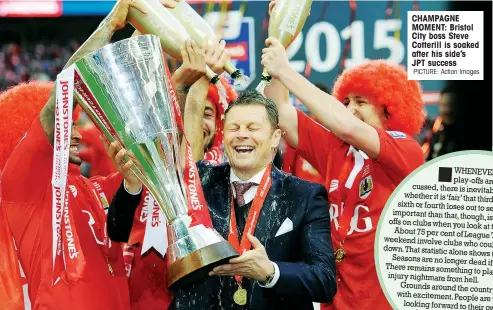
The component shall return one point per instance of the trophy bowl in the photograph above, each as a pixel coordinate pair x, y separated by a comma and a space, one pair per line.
125, 89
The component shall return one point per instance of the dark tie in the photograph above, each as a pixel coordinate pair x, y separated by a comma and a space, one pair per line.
240, 189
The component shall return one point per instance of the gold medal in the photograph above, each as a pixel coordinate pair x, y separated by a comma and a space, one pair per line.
339, 255
240, 296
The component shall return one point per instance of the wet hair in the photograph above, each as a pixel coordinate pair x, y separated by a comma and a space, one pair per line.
253, 97
387, 84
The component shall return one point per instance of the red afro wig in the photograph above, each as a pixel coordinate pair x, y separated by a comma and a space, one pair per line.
19, 106
213, 96
388, 86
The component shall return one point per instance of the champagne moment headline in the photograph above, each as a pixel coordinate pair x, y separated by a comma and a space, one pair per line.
445, 45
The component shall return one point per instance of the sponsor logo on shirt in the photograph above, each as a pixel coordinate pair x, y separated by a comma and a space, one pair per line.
397, 134
359, 222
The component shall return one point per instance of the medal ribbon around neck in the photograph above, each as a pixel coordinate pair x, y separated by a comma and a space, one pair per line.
252, 219
350, 175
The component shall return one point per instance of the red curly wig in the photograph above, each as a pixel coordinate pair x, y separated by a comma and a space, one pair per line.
213, 96
19, 105
388, 86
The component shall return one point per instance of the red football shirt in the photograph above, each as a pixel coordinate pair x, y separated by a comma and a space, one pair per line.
27, 196
299, 167
11, 296
369, 183
148, 283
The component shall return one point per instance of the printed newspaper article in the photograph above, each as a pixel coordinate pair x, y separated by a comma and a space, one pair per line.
434, 246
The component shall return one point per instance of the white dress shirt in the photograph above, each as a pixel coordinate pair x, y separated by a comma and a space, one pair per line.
248, 197
250, 193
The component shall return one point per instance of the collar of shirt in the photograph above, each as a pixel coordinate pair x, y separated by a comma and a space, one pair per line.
249, 194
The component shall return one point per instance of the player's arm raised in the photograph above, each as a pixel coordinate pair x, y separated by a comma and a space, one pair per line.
115, 20
328, 110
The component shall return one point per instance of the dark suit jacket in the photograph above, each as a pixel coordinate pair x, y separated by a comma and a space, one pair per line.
121, 214
304, 255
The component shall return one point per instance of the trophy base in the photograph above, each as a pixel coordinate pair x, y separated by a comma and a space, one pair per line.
197, 265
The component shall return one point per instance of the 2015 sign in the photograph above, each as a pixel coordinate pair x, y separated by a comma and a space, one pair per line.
383, 38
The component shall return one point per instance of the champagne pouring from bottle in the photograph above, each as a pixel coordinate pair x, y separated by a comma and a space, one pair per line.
161, 22
199, 30
285, 23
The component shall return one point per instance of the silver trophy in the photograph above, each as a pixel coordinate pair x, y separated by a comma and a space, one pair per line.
125, 90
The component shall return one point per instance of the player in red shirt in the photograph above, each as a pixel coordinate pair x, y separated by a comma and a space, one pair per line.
293, 163
366, 152
213, 127
199, 100
16, 119
27, 199
26, 203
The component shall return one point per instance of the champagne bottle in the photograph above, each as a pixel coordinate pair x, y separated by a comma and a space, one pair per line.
199, 30
161, 22
285, 23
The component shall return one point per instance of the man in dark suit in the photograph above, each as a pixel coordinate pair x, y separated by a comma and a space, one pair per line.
287, 260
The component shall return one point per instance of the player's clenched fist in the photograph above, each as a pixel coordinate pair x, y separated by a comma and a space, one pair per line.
274, 57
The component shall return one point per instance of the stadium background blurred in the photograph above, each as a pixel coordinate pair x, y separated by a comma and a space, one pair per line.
38, 37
